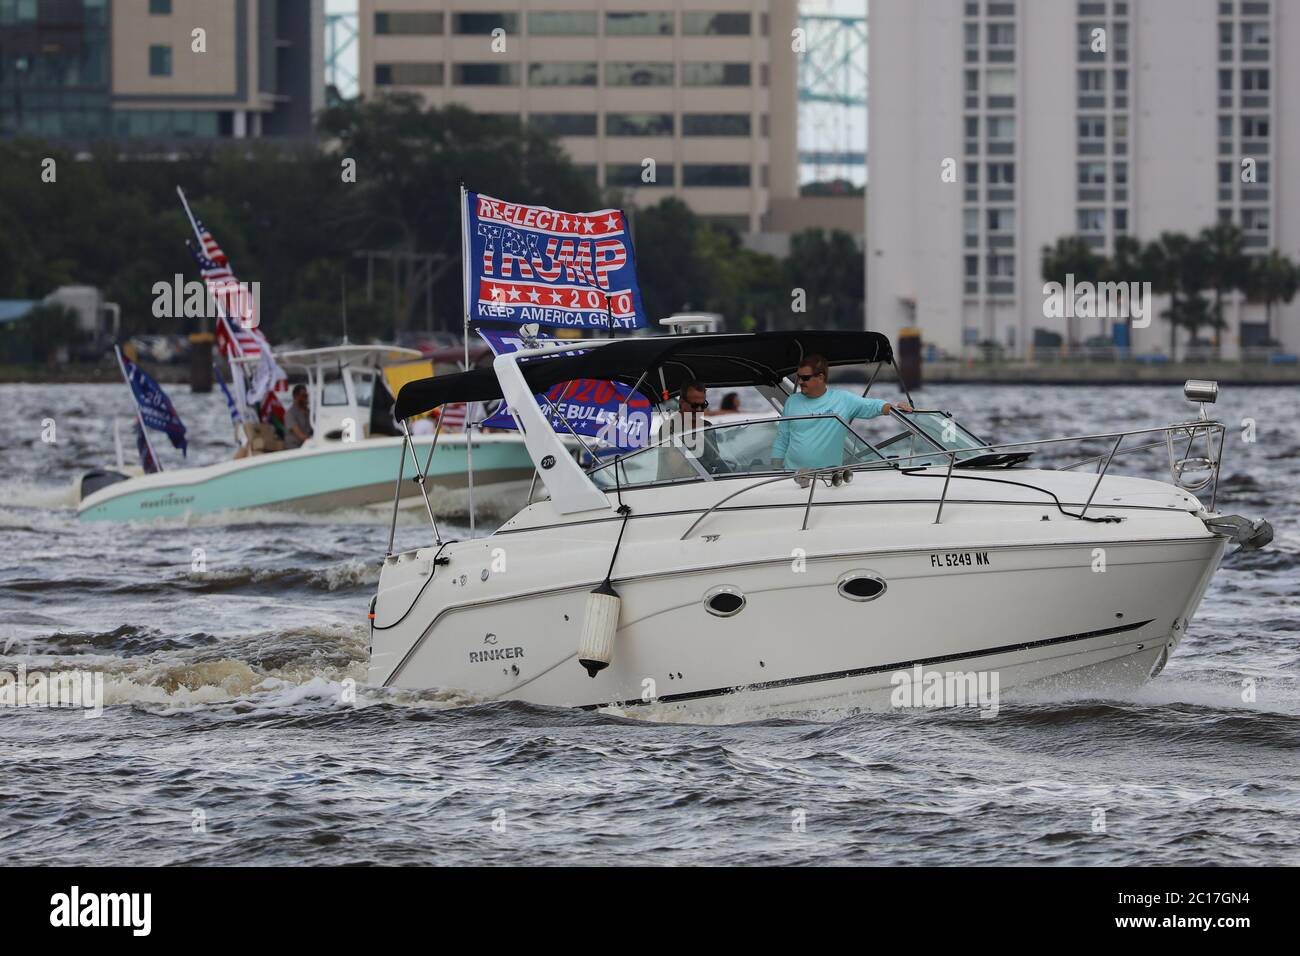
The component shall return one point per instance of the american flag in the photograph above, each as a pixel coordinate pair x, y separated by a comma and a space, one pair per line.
454, 416
237, 332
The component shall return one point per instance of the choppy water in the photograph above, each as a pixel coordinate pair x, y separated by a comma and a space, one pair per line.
226, 739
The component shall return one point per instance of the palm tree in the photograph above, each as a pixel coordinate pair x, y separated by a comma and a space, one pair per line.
1227, 266
1193, 312
1125, 265
1071, 256
1160, 263
1273, 278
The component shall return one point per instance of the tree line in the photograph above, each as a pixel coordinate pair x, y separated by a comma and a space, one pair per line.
1196, 272
286, 217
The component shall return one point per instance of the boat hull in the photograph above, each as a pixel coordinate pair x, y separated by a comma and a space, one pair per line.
323, 478
1027, 613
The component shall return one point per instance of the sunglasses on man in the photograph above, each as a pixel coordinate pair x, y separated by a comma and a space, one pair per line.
698, 406
808, 378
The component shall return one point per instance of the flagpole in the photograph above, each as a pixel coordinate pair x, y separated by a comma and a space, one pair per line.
194, 223
236, 379
465, 284
138, 417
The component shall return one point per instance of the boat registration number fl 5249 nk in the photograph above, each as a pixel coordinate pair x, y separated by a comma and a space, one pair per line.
959, 559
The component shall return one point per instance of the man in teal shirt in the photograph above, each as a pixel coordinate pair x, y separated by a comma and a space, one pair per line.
819, 443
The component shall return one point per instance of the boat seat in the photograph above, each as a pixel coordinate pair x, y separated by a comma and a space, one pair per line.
262, 437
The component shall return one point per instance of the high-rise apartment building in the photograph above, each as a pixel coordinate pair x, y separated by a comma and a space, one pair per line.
1097, 118
83, 70
703, 88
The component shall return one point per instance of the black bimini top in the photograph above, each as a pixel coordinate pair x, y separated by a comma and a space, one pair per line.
717, 361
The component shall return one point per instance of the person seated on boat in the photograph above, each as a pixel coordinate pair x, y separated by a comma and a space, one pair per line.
819, 443
297, 420
730, 404
675, 432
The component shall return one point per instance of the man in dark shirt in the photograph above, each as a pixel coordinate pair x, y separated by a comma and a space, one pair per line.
297, 420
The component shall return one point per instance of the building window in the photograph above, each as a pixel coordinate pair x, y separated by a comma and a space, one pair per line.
1254, 127
970, 222
971, 265
1254, 81
1002, 173
1092, 81
1254, 33
715, 24
485, 74
1002, 266
638, 74
1092, 220
408, 74
1121, 220
972, 81
715, 74
1121, 174
479, 24
1002, 34
639, 124
1092, 174
972, 127
1001, 220
1001, 83
571, 23
1254, 220
716, 124
1092, 128
564, 124
1121, 81
639, 24
972, 173
160, 60
1001, 129
160, 8
408, 24
715, 174
629, 175
563, 74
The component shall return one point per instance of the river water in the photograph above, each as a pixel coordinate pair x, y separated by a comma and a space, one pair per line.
228, 736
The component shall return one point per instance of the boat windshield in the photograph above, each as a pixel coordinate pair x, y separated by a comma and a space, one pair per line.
944, 431
743, 448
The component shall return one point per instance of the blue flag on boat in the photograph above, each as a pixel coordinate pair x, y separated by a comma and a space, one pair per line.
600, 409
156, 410
230, 400
534, 264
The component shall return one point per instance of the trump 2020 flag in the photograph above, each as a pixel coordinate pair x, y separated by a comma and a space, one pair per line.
534, 264
156, 410
609, 411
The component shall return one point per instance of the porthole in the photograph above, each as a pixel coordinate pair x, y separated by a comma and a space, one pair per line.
861, 585
724, 601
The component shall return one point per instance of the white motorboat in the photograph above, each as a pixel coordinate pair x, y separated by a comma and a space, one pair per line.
349, 460
695, 573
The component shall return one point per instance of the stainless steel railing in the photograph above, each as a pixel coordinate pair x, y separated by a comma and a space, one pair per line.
1209, 463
